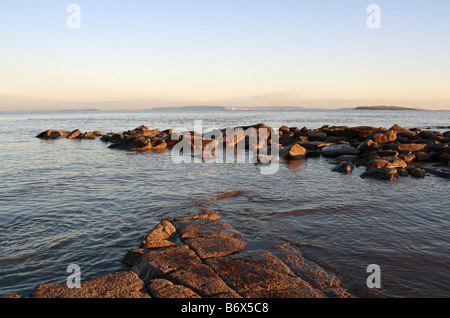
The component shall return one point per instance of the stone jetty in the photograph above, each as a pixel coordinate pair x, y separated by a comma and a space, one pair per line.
199, 255
387, 154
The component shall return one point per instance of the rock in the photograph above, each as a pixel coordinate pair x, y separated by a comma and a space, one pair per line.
293, 152
402, 172
429, 134
118, 285
360, 132
205, 228
98, 133
163, 288
284, 129
158, 262
384, 137
339, 150
314, 145
287, 138
133, 256
87, 135
117, 138
407, 157
314, 153
316, 136
387, 153
381, 173
309, 271
399, 129
343, 158
386, 162
74, 134
255, 271
334, 139
417, 172
202, 280
422, 156
368, 146
444, 157
159, 236
13, 296
344, 167
52, 134
215, 246
447, 134
411, 147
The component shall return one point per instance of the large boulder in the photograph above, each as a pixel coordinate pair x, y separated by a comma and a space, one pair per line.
293, 152
384, 137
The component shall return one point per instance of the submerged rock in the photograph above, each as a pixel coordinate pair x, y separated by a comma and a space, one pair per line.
344, 167
389, 174
417, 172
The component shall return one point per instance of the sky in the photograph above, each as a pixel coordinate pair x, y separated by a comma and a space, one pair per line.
139, 54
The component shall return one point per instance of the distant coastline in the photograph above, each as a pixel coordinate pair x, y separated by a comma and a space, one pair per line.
385, 108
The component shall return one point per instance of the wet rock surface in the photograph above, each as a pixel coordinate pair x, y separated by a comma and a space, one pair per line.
208, 259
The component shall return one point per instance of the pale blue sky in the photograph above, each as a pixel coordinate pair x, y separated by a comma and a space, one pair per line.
141, 54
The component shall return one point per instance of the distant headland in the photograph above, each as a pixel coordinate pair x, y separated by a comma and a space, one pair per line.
384, 108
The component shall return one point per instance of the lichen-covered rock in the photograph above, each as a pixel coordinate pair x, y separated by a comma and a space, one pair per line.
163, 288
254, 271
156, 263
215, 246
202, 280
118, 285
205, 228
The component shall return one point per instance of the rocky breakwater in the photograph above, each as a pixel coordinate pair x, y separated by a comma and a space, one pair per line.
199, 255
386, 153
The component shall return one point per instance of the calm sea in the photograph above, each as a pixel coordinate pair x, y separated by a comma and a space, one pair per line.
77, 202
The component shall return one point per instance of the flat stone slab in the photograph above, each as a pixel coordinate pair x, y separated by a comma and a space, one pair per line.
118, 285
203, 280
205, 228
254, 271
163, 288
215, 246
158, 262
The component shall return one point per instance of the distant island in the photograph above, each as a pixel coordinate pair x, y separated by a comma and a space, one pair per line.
384, 108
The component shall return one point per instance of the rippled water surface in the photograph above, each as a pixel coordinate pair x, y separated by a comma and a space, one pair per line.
66, 201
